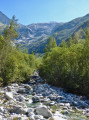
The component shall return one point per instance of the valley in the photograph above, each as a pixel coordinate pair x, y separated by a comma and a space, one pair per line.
44, 70
35, 36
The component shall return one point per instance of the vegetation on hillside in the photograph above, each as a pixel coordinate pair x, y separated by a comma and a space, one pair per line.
67, 66
64, 31
15, 66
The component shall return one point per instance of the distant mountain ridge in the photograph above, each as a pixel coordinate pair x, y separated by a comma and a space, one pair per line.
34, 31
4, 19
80, 32
67, 29
34, 34
34, 37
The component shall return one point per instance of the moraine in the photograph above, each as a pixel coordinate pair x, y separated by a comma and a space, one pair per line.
38, 100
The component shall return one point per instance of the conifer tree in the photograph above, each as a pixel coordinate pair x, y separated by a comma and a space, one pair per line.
9, 35
51, 44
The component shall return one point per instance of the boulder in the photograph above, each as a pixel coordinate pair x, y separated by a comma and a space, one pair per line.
30, 114
9, 95
2, 109
28, 87
30, 110
9, 88
38, 117
59, 98
21, 98
36, 99
18, 109
21, 90
46, 113
52, 97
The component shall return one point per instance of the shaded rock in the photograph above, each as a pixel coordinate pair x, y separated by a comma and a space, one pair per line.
52, 97
20, 98
36, 99
59, 98
9, 88
61, 104
18, 109
28, 87
30, 114
30, 110
21, 90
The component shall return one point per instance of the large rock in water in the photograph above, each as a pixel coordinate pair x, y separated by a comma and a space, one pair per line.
43, 111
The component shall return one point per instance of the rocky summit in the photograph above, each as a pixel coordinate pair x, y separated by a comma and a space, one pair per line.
38, 100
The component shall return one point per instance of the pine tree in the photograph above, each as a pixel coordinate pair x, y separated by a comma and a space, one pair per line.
63, 44
9, 35
54, 44
51, 44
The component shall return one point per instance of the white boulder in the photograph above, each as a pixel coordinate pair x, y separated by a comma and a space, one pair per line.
9, 95
44, 111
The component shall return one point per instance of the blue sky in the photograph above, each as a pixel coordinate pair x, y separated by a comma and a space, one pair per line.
35, 11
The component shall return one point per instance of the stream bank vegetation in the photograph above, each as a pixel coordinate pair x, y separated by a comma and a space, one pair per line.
67, 65
15, 66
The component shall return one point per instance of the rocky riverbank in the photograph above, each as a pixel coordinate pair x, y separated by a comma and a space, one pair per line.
38, 100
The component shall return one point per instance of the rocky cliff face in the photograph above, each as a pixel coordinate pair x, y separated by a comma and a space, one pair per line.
35, 31
34, 37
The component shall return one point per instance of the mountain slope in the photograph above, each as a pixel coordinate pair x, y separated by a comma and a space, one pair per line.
80, 32
35, 30
4, 19
65, 30
33, 36
60, 32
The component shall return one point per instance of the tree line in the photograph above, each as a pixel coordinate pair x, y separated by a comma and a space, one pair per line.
67, 65
15, 66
